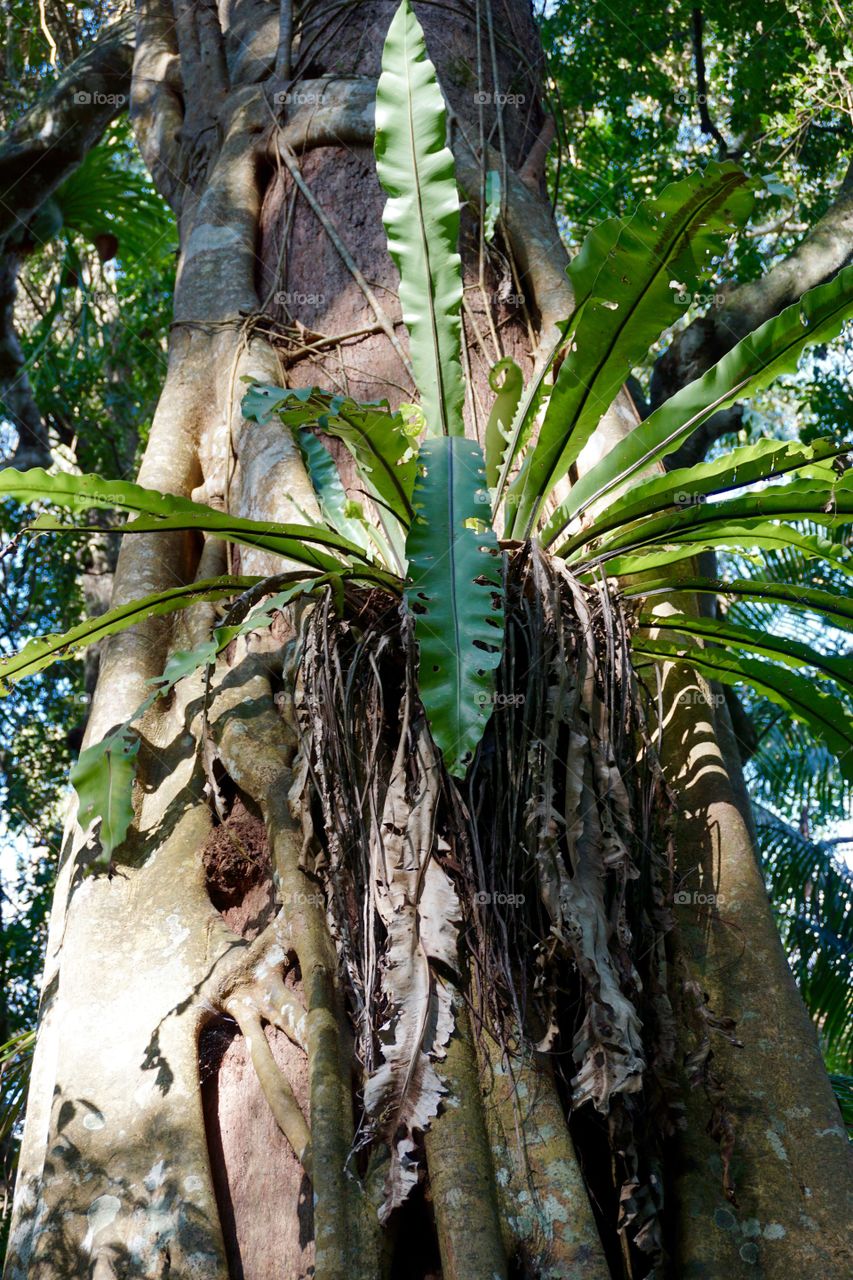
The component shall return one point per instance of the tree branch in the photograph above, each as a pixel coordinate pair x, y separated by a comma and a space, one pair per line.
36, 155
706, 123
16, 394
156, 106
53, 137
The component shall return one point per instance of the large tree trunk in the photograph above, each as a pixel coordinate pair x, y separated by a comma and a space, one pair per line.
178, 1053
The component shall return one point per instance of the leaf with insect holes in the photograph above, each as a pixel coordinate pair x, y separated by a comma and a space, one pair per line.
456, 594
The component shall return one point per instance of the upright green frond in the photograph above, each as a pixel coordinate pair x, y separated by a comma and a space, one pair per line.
421, 218
755, 362
643, 283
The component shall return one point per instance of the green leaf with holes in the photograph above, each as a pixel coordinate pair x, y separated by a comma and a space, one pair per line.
103, 780
455, 592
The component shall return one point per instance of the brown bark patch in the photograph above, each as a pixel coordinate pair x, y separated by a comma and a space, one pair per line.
264, 1198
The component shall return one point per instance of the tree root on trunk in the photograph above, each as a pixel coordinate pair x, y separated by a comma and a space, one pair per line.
277, 1090
258, 755
254, 992
548, 1219
461, 1174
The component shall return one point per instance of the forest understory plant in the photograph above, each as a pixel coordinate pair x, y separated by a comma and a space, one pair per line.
451, 704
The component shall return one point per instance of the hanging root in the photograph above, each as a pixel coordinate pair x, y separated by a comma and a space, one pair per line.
540, 891
253, 993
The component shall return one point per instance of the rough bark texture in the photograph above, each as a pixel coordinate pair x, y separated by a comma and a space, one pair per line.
186, 1018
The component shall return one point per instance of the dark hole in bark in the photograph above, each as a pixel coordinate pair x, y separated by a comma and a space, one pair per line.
416, 1255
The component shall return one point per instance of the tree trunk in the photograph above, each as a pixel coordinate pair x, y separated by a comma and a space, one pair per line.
193, 1014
